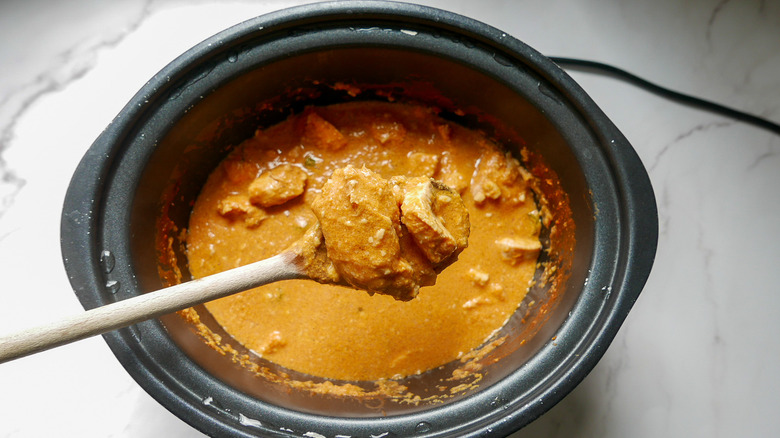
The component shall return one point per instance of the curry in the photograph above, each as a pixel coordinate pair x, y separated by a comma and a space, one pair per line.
387, 184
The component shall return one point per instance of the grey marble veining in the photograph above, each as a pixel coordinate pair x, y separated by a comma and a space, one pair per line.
50, 53
698, 355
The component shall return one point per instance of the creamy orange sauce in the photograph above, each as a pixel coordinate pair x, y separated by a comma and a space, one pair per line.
259, 201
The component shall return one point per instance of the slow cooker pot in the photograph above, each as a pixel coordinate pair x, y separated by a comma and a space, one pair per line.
153, 158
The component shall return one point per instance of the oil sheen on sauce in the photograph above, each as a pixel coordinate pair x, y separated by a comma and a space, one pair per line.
258, 201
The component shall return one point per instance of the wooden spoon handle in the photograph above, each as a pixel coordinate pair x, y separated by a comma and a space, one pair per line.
147, 306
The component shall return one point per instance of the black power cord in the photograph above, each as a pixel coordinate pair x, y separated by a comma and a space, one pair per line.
598, 67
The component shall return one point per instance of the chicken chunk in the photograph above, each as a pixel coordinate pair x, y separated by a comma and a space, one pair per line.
387, 132
436, 218
277, 186
239, 170
449, 174
497, 175
478, 277
423, 164
515, 249
235, 207
319, 133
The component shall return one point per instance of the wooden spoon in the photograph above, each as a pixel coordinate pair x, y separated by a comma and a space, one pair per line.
304, 259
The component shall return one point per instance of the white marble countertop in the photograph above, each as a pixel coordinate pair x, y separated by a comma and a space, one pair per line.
699, 354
